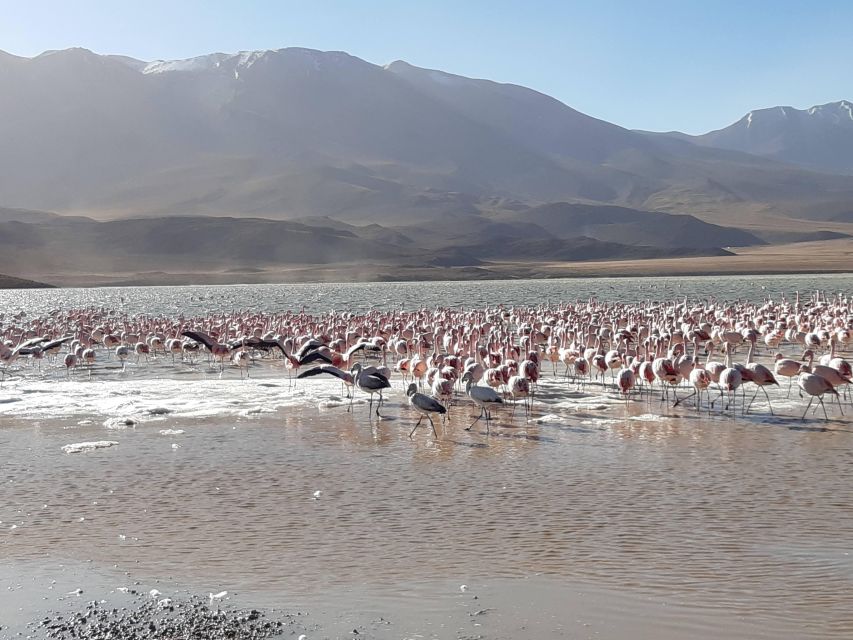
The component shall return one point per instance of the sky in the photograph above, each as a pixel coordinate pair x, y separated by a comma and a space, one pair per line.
687, 65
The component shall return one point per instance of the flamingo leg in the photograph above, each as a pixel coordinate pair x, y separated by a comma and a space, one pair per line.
825, 417
766, 395
720, 398
745, 411
417, 424
807, 409
468, 428
685, 398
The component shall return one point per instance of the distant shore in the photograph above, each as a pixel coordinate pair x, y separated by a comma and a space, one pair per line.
804, 258
11, 282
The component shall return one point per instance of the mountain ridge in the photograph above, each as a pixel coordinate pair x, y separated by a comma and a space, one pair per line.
295, 132
819, 137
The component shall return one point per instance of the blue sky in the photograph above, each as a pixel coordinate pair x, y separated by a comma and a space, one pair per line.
653, 64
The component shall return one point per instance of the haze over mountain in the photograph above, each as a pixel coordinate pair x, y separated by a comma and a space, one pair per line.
819, 138
297, 132
310, 157
192, 243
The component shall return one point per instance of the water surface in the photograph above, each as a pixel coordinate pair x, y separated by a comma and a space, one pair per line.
359, 297
702, 525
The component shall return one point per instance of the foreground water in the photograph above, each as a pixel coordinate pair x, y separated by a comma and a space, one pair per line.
592, 518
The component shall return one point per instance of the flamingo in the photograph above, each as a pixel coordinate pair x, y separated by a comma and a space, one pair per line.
666, 375
346, 377
646, 373
626, 381
70, 362
425, 405
217, 349
787, 368
832, 376
442, 389
582, 369
700, 380
757, 374
483, 397
142, 349
242, 359
175, 347
371, 381
730, 380
761, 377
519, 387
815, 386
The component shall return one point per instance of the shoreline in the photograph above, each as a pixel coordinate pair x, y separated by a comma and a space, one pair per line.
464, 607
805, 258
14, 282
190, 280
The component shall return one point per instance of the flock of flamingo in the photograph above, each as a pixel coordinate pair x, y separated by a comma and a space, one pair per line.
494, 356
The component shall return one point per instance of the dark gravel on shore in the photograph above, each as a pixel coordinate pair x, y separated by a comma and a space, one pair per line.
190, 618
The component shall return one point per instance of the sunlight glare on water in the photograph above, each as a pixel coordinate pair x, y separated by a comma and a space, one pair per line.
360, 297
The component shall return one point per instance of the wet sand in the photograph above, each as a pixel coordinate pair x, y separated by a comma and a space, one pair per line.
589, 519
533, 607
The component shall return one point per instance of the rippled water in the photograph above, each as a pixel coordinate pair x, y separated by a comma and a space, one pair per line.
748, 516
319, 298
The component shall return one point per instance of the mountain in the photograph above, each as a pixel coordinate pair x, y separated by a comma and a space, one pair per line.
8, 214
11, 282
65, 246
184, 243
289, 132
632, 227
819, 138
526, 116
296, 133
